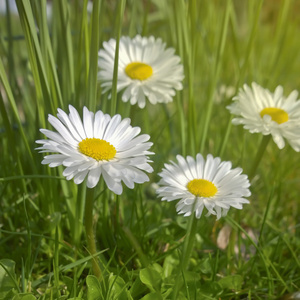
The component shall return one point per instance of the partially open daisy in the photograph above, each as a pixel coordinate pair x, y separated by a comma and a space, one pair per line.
145, 70
99, 146
259, 110
199, 183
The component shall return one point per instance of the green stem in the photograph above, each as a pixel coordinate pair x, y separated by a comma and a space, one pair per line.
89, 230
187, 250
262, 147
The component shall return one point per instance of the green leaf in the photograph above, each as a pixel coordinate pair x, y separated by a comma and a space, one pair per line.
233, 282
118, 288
137, 288
153, 296
210, 289
25, 296
151, 277
170, 263
7, 277
205, 266
94, 288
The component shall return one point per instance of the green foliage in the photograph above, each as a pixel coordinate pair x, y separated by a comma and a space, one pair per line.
144, 246
8, 284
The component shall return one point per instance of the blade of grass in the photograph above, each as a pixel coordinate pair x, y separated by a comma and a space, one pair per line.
66, 51
215, 74
82, 54
13, 105
119, 22
265, 260
93, 66
36, 58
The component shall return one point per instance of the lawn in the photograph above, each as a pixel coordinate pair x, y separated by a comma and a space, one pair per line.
80, 226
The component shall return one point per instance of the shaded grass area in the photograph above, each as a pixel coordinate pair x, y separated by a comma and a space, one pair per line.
50, 63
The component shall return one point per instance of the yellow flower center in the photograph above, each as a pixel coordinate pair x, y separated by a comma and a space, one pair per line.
202, 188
138, 70
277, 114
97, 149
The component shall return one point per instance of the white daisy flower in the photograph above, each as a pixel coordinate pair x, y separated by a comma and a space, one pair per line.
145, 70
259, 110
198, 183
101, 145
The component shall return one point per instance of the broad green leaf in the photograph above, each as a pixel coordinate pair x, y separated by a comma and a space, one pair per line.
94, 288
26, 296
205, 266
210, 289
137, 288
153, 296
118, 288
170, 263
7, 277
151, 277
233, 282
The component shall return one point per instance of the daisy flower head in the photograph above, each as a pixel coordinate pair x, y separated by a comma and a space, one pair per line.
146, 70
199, 183
100, 145
259, 110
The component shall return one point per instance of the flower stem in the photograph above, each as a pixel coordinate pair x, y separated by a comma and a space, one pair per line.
189, 242
260, 152
186, 253
89, 230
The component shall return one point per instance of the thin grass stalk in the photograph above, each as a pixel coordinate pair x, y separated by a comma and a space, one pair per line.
10, 56
279, 40
36, 58
137, 247
11, 100
133, 18
13, 151
191, 52
180, 112
48, 54
266, 260
244, 68
93, 66
184, 22
145, 19
119, 23
82, 54
89, 229
179, 95
259, 154
242, 72
66, 52
56, 260
28, 261
266, 215
215, 74
12, 278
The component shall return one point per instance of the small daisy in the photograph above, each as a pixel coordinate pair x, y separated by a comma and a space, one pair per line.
99, 146
259, 110
145, 70
198, 183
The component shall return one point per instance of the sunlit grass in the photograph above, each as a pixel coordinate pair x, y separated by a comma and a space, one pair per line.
51, 62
